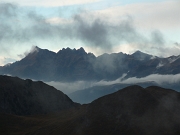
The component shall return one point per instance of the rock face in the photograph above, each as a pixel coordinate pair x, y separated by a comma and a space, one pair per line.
72, 65
130, 111
25, 97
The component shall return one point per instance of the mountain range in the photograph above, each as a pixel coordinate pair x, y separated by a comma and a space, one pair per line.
73, 65
132, 110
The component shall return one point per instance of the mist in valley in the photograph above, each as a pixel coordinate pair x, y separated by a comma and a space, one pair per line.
87, 91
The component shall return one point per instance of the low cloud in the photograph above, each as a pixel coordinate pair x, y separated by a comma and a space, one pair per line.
32, 50
69, 87
159, 79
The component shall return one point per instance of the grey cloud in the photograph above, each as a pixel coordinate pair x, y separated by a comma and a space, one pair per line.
110, 63
8, 9
99, 33
105, 35
96, 33
177, 44
157, 38
164, 51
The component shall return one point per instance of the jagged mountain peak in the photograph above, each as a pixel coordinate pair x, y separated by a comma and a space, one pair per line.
38, 52
34, 49
73, 51
77, 64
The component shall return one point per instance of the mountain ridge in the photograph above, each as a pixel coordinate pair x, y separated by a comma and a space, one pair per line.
75, 65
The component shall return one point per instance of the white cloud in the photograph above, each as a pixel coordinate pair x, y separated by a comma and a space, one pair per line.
59, 20
167, 51
1, 61
50, 3
158, 78
69, 87
149, 15
7, 61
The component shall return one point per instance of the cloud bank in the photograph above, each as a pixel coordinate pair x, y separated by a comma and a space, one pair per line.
80, 85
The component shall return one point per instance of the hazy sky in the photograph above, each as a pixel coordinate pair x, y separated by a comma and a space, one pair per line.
152, 26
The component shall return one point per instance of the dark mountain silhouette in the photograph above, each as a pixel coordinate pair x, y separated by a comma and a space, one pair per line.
42, 64
25, 97
132, 110
72, 65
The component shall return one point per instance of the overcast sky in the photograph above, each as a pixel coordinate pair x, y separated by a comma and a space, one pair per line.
151, 26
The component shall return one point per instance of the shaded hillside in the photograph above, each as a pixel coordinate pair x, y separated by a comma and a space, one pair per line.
25, 97
135, 110
130, 111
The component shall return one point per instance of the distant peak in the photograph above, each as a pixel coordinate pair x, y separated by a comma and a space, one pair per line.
34, 49
141, 55
66, 49
138, 52
80, 50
